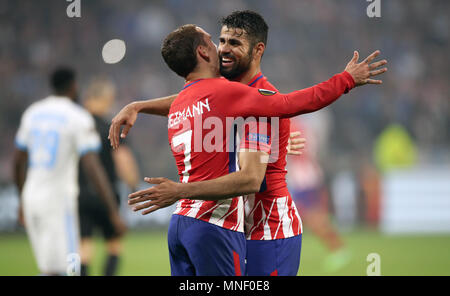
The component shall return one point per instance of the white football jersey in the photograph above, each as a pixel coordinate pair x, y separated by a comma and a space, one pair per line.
55, 132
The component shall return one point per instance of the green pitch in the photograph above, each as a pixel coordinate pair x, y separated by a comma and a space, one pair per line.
145, 253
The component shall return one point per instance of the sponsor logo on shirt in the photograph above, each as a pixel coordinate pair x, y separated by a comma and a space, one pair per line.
255, 137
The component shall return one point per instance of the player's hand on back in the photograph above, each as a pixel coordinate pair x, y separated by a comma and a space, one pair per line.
126, 117
295, 143
362, 72
164, 194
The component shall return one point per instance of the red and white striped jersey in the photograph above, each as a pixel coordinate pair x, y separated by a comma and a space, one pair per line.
227, 213
271, 213
193, 106
199, 136
271, 217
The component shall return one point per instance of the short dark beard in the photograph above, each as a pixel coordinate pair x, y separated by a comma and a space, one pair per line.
239, 68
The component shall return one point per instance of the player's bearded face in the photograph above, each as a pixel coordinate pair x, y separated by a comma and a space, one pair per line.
237, 66
235, 53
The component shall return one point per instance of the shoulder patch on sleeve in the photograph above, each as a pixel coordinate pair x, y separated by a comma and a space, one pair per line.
266, 92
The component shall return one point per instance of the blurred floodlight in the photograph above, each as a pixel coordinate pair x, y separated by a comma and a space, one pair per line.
113, 51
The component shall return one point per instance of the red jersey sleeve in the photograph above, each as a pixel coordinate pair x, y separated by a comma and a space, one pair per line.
260, 102
256, 136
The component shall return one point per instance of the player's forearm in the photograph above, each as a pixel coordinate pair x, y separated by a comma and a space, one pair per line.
231, 185
272, 104
316, 97
20, 169
160, 106
298, 102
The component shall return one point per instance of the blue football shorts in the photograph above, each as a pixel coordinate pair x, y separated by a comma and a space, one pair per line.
279, 257
199, 248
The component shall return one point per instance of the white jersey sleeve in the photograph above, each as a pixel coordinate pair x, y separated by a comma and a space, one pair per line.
21, 139
86, 136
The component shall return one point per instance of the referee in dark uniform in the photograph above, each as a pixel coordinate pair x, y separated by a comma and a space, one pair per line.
119, 165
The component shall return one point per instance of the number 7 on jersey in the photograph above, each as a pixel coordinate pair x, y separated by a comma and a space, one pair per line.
185, 139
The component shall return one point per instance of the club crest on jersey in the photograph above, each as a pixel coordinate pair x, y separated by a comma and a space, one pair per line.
266, 92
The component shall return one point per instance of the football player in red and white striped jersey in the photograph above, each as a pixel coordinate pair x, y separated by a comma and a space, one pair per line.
274, 216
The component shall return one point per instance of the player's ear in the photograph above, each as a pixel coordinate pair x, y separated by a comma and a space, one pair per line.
202, 51
258, 49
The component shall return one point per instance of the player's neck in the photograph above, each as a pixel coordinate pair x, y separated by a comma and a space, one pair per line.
247, 76
204, 73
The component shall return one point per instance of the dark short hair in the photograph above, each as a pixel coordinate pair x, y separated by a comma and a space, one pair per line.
251, 22
179, 49
62, 79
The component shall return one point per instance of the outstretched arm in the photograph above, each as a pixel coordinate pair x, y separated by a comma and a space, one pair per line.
257, 102
128, 115
245, 181
159, 106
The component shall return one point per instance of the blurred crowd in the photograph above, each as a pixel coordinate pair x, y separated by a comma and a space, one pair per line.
308, 42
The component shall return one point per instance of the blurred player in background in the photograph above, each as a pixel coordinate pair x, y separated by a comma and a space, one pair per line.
119, 164
308, 189
54, 135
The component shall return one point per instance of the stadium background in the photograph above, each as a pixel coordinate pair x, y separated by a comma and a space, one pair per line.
382, 202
